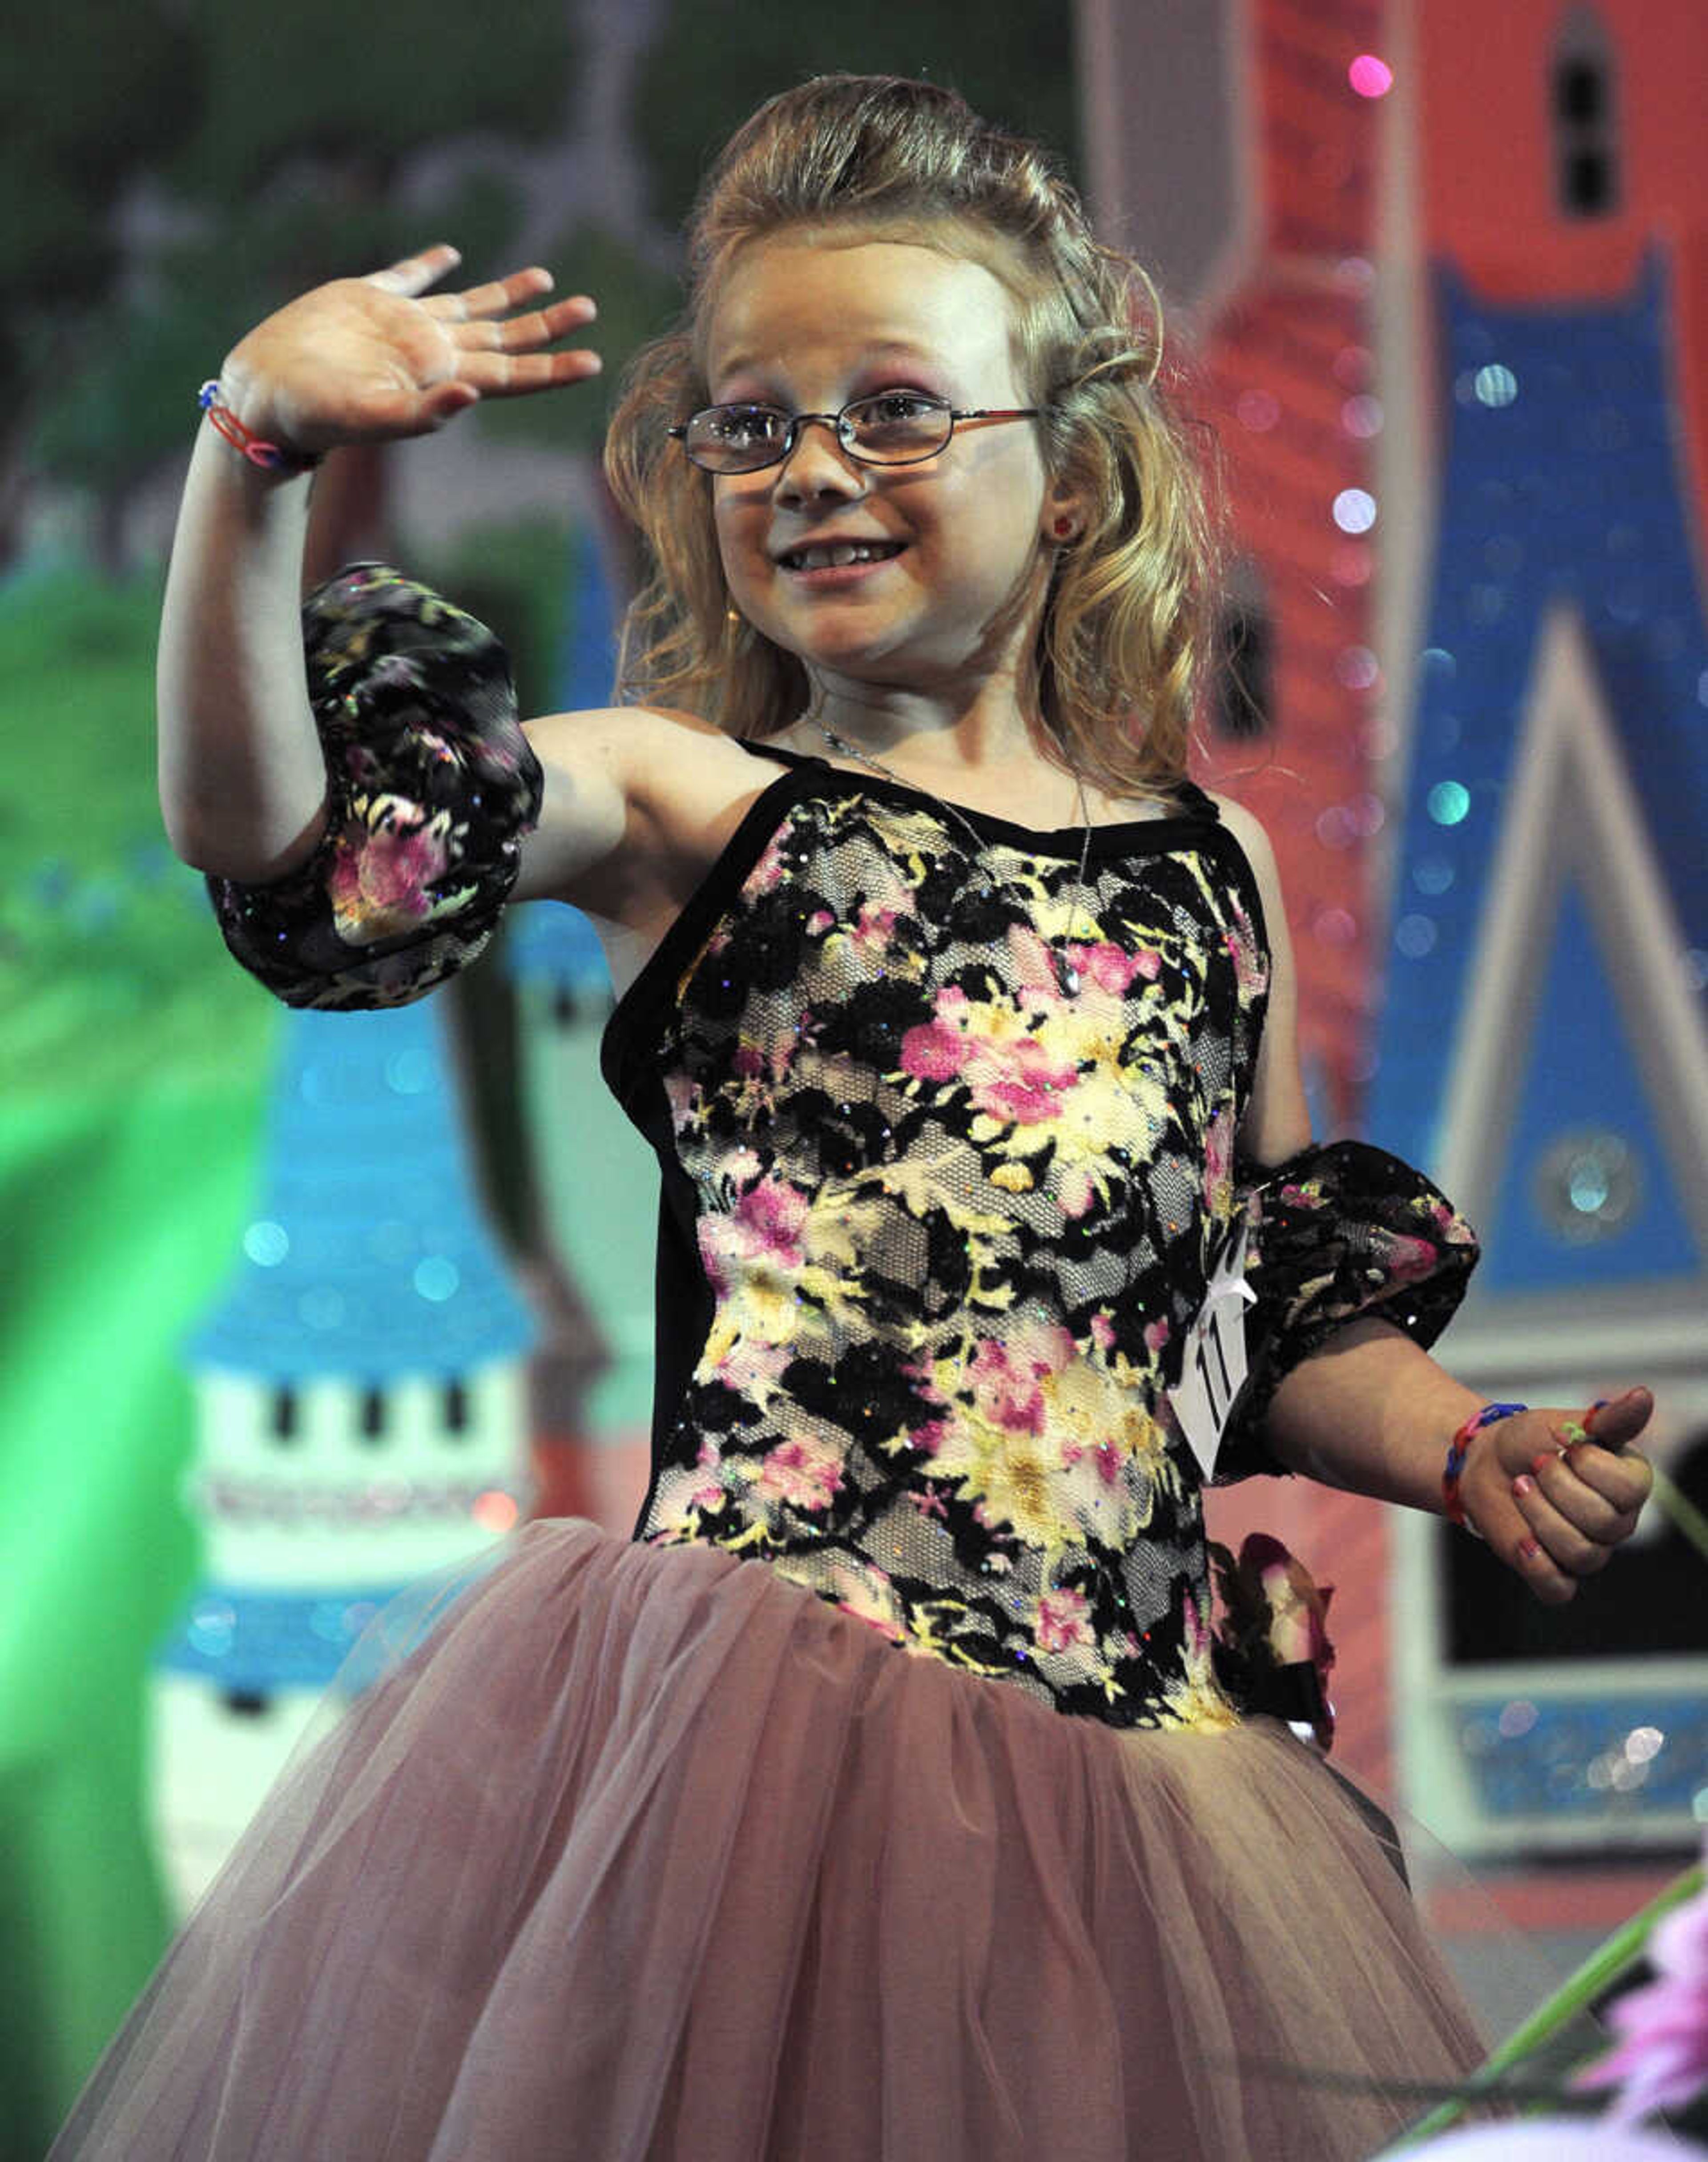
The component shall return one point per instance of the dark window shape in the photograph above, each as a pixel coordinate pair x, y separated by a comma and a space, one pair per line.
455, 1408
284, 1421
1243, 704
373, 1422
1584, 114
246, 1704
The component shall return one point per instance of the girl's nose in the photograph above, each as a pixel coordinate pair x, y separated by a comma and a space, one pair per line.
817, 465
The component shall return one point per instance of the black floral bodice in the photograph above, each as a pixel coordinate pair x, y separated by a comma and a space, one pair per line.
947, 1143
934, 1219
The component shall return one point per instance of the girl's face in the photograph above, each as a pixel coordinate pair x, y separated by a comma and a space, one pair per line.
949, 597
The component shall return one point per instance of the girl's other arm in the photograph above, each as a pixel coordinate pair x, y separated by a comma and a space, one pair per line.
1373, 1413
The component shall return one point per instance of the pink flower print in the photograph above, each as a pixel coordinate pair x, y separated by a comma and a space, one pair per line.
770, 1215
1108, 966
1156, 1333
1034, 967
820, 921
1218, 1163
770, 869
1026, 1085
1661, 2058
1074, 1191
1063, 1622
1147, 962
931, 1437
749, 1061
1006, 1391
1106, 1460
803, 1472
1409, 1260
379, 880
938, 1049
1249, 971
873, 927
709, 1494
1102, 1331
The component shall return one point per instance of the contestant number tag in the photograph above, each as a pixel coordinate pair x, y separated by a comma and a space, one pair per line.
1213, 1370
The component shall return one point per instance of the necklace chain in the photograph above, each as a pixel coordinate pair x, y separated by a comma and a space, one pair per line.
840, 744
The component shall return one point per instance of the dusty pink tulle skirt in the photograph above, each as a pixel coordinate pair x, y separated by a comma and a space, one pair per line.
647, 1853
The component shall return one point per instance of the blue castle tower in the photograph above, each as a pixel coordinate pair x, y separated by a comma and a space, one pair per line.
1542, 1046
361, 1409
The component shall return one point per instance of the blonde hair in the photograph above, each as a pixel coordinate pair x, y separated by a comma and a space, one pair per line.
1125, 630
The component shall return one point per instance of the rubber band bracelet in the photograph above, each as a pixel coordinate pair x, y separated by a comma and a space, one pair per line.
1456, 1454
255, 448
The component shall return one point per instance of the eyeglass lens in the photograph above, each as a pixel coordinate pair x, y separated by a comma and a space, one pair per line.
892, 429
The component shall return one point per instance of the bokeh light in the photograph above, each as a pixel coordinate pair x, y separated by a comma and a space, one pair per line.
1369, 76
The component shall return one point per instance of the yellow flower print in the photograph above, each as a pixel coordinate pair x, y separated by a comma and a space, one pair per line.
1016, 1485
1193, 1697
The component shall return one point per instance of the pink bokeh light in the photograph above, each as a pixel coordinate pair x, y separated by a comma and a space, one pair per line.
1370, 77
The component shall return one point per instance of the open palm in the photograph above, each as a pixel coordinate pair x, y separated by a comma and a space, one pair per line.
368, 359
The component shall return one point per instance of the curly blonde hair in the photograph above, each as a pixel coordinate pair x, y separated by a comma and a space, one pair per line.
1125, 631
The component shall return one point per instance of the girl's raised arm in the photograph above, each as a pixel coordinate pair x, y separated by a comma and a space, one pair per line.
241, 778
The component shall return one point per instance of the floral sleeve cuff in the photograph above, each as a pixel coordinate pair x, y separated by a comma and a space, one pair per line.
432, 784
1335, 1234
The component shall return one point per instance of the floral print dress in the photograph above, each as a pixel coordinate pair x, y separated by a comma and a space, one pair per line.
948, 1146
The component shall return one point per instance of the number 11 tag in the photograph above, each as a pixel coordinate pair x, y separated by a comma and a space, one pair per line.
1213, 1371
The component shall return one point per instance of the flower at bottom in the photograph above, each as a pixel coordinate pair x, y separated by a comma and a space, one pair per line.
1661, 2058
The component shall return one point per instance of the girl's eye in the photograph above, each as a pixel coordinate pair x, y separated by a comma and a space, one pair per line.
744, 427
899, 425
890, 407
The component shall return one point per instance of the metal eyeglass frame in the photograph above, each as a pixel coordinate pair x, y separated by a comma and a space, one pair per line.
843, 428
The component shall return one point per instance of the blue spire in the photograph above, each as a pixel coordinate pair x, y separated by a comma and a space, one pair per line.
368, 1256
1563, 479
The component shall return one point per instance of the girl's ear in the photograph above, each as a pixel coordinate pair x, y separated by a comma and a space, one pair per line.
1063, 517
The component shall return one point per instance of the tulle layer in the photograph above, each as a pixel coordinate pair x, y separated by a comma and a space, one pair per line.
646, 1853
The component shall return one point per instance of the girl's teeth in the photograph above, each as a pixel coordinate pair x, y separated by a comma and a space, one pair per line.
832, 558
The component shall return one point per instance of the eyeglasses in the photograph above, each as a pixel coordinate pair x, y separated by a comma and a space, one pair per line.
895, 428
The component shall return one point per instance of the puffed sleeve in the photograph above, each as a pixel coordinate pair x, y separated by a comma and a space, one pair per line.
432, 786
1333, 1233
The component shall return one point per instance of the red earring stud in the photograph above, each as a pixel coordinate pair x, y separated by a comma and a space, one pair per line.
1063, 529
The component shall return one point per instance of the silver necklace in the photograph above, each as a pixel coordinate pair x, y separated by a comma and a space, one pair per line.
1069, 975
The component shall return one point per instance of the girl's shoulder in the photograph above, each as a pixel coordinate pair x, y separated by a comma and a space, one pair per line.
1246, 828
638, 801
1255, 845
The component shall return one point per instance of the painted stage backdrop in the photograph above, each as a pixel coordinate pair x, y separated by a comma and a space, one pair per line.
293, 1311
300, 1306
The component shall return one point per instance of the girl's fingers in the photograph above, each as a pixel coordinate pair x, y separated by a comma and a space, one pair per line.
1575, 1527
516, 333
1612, 1424
508, 375
1533, 1561
494, 296
416, 272
1621, 1483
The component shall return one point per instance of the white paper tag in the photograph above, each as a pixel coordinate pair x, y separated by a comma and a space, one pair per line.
1213, 1371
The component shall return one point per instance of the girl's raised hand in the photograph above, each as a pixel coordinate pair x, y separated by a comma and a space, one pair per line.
1554, 1494
369, 359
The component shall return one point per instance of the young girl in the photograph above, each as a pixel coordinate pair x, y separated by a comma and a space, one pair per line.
883, 1796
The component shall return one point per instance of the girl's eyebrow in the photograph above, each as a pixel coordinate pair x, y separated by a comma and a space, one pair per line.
877, 349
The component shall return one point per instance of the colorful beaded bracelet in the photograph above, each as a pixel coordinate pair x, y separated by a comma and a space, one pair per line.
1455, 1454
255, 448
